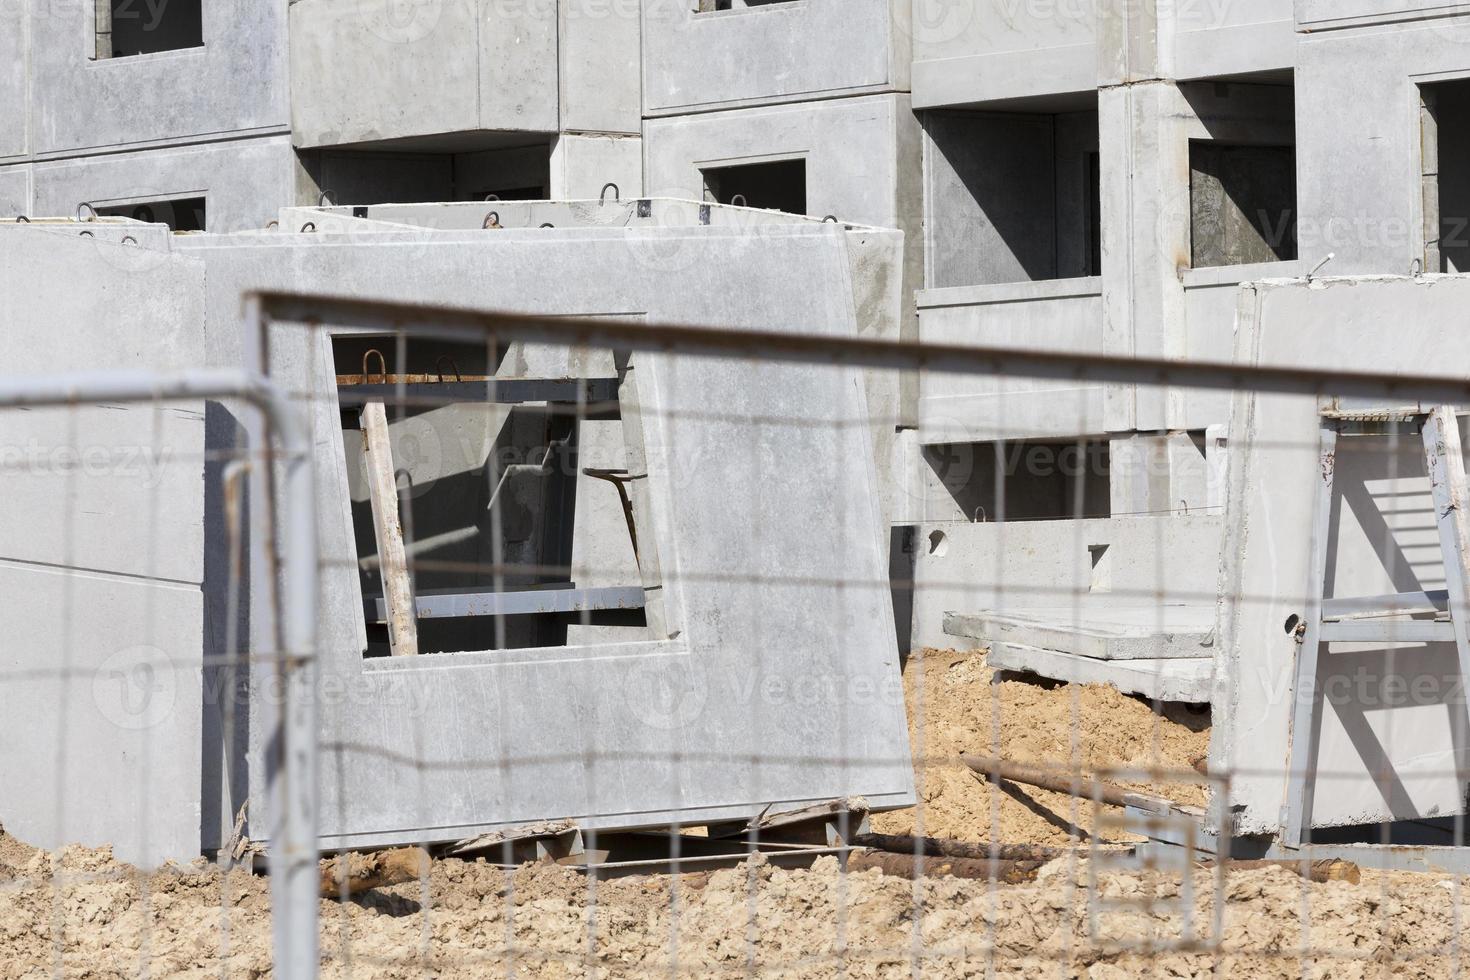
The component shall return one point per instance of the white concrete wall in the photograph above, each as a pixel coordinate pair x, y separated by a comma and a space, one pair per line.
969, 568
101, 553
1057, 315
769, 52
1392, 742
819, 474
242, 182
1358, 155
365, 73
235, 83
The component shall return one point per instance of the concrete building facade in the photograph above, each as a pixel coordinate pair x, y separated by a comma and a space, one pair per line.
1095, 176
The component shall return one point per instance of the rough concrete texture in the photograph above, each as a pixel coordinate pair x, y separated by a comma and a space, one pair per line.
766, 682
960, 567
405, 74
1100, 630
760, 53
1180, 679
104, 575
1390, 739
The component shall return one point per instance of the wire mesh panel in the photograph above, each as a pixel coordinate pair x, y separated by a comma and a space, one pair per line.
131, 662
655, 649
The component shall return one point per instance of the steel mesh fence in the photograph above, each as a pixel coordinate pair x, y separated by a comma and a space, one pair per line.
653, 650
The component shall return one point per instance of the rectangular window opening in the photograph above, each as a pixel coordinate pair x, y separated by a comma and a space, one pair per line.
180, 214
711, 6
1013, 196
775, 186
493, 499
132, 27
1242, 203
1030, 480
1446, 174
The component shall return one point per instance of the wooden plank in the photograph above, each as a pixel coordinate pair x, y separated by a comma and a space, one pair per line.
403, 632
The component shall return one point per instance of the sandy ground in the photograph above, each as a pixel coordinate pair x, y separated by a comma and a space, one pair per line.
954, 707
80, 913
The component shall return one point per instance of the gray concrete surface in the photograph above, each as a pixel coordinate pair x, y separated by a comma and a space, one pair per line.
1391, 739
101, 554
1185, 680
747, 671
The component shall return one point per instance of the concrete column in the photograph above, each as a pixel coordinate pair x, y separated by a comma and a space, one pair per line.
582, 164
1144, 148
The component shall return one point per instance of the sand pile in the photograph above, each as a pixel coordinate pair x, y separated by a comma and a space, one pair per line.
100, 919
80, 913
955, 706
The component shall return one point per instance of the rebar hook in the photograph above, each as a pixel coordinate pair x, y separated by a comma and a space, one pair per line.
492, 220
439, 364
367, 375
617, 194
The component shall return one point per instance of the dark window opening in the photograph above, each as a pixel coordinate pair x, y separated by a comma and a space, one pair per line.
1242, 203
1025, 481
133, 27
183, 214
487, 498
407, 177
1446, 174
710, 6
510, 194
779, 186
1012, 197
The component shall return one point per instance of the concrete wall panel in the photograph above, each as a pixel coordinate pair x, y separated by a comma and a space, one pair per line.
101, 553
601, 66
1392, 730
764, 52
236, 81
969, 568
539, 718
14, 81
1358, 136
243, 183
15, 190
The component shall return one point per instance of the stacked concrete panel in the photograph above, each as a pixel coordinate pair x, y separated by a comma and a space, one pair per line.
102, 553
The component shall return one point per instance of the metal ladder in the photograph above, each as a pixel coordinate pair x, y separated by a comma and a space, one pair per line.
1362, 619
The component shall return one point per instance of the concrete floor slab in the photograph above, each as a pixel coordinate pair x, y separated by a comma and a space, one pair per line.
1160, 680
1097, 630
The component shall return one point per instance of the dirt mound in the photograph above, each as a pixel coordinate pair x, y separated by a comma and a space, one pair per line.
957, 704
86, 914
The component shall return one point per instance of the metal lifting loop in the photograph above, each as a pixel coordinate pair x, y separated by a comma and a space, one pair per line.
738, 201
129, 240
309, 226
21, 219
439, 365
89, 207
617, 194
367, 375
324, 200
492, 220
492, 197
